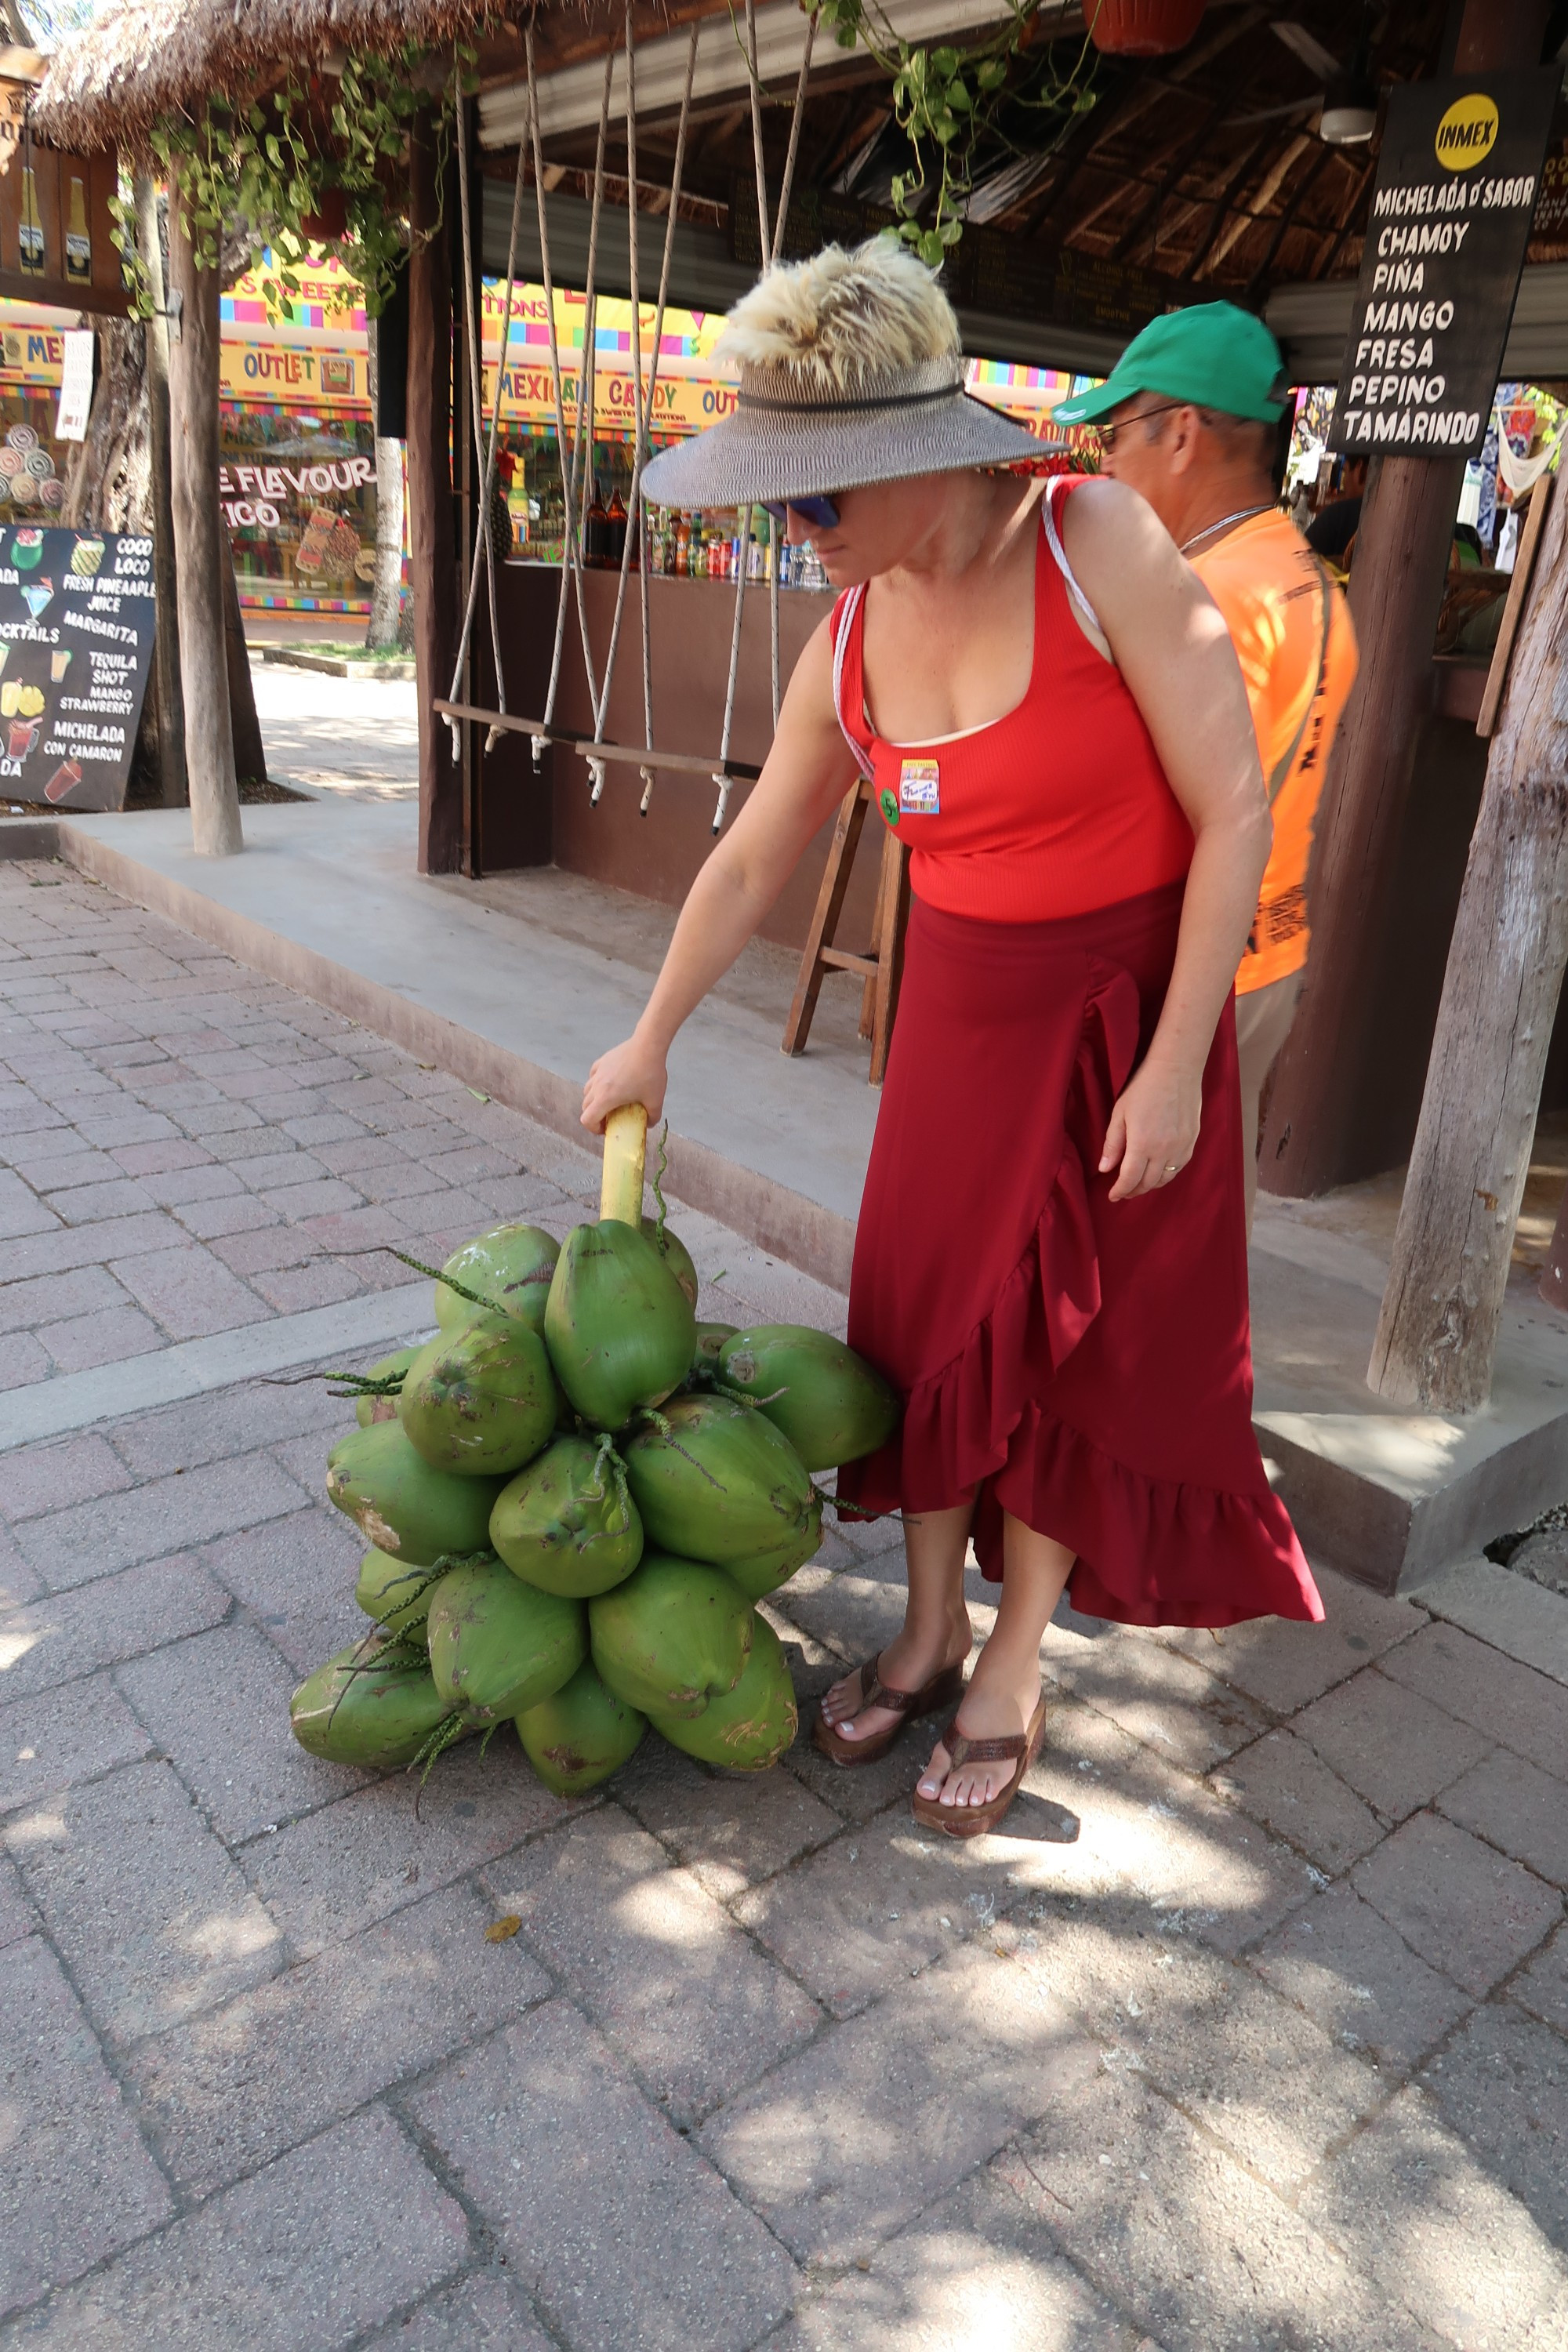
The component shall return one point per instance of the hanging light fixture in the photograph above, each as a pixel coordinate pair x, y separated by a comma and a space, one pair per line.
1350, 111
1350, 101
1350, 93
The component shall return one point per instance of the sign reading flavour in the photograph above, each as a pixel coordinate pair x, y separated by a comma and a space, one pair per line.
1450, 217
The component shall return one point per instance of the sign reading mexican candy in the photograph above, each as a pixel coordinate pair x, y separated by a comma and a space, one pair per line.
75, 642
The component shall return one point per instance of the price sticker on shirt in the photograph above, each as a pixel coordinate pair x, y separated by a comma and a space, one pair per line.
920, 788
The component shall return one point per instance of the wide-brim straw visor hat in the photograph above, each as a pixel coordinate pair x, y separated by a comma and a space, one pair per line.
852, 373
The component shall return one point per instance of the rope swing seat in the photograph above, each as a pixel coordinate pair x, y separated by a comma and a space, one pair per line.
574, 454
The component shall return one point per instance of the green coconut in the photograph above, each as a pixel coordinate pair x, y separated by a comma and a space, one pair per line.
831, 1404
567, 1523
749, 1728
710, 1338
580, 1735
397, 1595
384, 1408
763, 1571
670, 1638
480, 1400
676, 1255
721, 1484
498, 1646
375, 1705
510, 1266
618, 1326
401, 1504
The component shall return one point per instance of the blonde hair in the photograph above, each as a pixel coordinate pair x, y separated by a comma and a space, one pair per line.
842, 316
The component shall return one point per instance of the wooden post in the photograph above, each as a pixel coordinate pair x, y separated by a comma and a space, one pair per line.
167, 695
432, 551
203, 553
1436, 1337
1396, 592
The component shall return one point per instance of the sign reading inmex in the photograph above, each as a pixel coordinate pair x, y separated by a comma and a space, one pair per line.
1450, 217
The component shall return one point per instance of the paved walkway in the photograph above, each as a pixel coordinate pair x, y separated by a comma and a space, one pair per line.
353, 737
1246, 2036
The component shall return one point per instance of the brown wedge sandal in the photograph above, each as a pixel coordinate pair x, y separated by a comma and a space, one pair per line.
940, 1692
973, 1821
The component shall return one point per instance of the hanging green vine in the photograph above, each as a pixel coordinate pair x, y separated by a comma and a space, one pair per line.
258, 173
945, 99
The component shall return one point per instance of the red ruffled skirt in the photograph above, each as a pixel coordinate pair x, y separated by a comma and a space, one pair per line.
1083, 1363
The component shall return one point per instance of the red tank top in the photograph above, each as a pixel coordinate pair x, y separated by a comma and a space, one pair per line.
1058, 808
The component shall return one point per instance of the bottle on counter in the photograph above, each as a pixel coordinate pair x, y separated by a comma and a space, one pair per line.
597, 532
683, 547
616, 520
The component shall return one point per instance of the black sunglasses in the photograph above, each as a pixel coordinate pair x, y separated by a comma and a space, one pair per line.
820, 513
1108, 433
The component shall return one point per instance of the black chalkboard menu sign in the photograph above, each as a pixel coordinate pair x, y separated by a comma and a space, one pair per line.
75, 642
1456, 190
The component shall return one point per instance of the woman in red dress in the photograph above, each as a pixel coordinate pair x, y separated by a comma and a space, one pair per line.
1050, 1260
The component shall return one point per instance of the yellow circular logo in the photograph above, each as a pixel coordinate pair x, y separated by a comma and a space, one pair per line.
1467, 133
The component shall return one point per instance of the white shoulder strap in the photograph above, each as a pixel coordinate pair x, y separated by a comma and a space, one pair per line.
1054, 541
846, 622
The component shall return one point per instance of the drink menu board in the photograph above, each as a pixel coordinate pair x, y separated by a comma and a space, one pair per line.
1458, 180
76, 643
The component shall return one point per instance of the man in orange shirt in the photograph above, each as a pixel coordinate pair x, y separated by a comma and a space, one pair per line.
1190, 418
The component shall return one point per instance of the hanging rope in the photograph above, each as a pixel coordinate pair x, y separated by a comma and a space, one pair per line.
775, 540
574, 454
644, 405
770, 252
638, 518
583, 456
569, 551
484, 552
757, 127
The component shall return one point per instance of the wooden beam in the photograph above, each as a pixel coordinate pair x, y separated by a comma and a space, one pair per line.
1221, 204
1436, 1335
1513, 610
1248, 216
202, 543
1286, 221
432, 544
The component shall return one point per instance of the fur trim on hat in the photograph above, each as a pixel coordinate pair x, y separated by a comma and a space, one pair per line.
842, 316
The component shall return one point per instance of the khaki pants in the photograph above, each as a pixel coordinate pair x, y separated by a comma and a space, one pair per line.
1263, 1018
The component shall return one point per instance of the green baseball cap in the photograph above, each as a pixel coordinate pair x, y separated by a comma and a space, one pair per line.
1214, 356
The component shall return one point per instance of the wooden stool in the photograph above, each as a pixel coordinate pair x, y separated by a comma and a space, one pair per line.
882, 964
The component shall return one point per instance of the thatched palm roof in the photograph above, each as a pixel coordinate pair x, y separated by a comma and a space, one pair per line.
142, 58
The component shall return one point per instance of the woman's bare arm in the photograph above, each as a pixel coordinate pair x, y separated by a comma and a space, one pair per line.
807, 774
1174, 652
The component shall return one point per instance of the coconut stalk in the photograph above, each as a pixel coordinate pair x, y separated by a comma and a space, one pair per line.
626, 1161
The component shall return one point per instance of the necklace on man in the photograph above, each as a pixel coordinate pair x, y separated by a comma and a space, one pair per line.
1242, 514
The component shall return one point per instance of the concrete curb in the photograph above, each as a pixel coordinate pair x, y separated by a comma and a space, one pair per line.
333, 666
777, 1218
28, 836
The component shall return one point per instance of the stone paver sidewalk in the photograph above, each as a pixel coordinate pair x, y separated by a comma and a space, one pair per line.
1245, 2035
